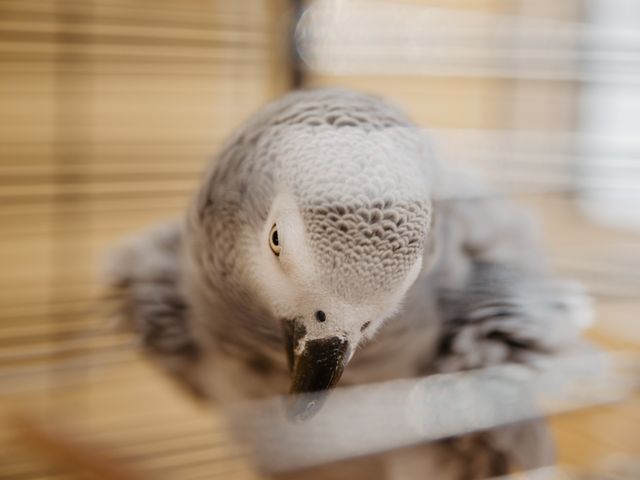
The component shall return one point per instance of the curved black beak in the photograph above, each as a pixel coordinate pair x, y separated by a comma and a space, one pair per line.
315, 368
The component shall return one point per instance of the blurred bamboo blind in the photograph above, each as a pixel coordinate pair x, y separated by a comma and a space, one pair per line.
109, 111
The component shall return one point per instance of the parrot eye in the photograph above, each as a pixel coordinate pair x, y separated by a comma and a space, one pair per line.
274, 241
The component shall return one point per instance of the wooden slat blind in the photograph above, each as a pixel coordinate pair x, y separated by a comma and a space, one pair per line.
109, 111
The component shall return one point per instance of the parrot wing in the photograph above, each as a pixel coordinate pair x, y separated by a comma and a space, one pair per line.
498, 305
144, 276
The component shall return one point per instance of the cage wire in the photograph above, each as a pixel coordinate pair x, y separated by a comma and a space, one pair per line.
112, 108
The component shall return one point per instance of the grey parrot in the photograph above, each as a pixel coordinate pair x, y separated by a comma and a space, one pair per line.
325, 244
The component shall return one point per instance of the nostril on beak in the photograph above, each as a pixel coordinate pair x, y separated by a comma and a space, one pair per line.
321, 316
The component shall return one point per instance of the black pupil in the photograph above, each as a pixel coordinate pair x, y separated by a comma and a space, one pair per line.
274, 238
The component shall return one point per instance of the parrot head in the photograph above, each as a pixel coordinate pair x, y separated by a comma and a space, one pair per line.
319, 211
342, 243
